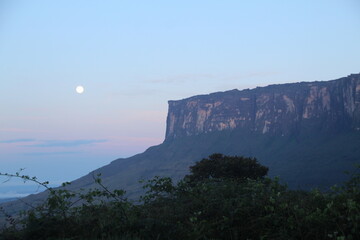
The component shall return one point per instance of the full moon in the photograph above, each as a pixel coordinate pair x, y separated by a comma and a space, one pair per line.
79, 89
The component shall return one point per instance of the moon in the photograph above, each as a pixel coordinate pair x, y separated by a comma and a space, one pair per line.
79, 89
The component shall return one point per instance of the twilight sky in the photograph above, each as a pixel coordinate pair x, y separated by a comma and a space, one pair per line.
134, 56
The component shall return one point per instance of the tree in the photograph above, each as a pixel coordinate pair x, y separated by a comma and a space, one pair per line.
227, 167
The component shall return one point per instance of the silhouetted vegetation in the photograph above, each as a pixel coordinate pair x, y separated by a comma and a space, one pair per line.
222, 198
226, 167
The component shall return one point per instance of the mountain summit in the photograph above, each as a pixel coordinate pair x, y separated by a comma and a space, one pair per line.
307, 133
283, 110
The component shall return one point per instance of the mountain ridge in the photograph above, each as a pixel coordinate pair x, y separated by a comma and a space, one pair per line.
277, 108
174, 156
313, 156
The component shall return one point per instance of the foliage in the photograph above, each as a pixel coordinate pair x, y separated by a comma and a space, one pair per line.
93, 214
220, 166
218, 205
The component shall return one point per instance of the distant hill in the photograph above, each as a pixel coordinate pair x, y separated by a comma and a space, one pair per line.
2, 200
307, 133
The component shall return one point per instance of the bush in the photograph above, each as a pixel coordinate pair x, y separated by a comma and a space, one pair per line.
210, 203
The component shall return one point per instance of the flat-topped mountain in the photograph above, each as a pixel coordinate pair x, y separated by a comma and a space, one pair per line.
277, 109
307, 133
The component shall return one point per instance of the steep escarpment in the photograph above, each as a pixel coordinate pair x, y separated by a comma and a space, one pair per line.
308, 134
277, 109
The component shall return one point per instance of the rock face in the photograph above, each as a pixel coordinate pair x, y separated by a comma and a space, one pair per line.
284, 109
275, 114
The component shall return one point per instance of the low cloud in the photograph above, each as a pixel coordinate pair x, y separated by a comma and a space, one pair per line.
67, 143
29, 142
51, 153
20, 140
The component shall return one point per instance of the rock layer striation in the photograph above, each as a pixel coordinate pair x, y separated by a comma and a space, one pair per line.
283, 109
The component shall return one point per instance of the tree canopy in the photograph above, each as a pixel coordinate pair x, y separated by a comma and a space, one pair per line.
230, 167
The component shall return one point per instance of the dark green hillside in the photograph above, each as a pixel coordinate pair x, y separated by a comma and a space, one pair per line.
307, 161
303, 162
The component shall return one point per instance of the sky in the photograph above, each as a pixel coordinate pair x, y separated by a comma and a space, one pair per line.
134, 56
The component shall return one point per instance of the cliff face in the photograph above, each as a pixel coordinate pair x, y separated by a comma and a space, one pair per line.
277, 109
313, 160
